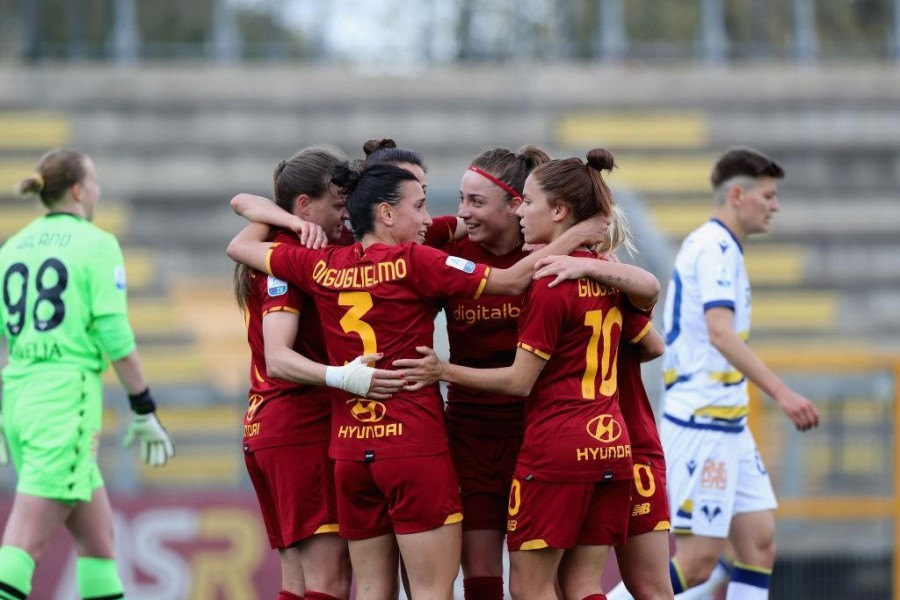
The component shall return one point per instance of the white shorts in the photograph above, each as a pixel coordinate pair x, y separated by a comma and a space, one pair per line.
712, 476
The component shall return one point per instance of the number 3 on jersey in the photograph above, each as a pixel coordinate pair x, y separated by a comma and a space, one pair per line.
48, 310
607, 362
360, 303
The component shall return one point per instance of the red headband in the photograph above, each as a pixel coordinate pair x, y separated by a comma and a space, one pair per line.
508, 189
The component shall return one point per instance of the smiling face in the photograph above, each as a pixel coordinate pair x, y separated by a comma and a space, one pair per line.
536, 214
486, 209
756, 204
408, 220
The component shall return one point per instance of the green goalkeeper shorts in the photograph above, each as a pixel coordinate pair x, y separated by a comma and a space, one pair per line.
52, 423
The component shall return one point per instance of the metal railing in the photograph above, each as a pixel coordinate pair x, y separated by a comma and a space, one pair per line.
837, 485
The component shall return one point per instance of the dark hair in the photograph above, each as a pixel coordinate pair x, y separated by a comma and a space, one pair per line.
579, 185
742, 161
386, 152
306, 172
56, 172
511, 168
366, 189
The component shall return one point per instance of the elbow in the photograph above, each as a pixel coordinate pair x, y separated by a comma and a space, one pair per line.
233, 250
718, 339
237, 204
651, 289
654, 349
520, 387
275, 367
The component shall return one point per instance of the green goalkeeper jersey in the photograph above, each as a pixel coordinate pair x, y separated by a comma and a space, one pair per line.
59, 274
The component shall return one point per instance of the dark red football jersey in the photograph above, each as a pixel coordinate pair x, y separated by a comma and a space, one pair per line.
574, 430
380, 299
483, 333
633, 400
282, 412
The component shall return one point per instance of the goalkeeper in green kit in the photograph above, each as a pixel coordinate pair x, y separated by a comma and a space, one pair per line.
63, 312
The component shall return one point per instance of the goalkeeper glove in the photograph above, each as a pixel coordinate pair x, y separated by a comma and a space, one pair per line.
156, 445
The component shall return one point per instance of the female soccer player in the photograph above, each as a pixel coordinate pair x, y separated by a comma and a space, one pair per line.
393, 472
63, 313
485, 430
287, 426
570, 497
644, 559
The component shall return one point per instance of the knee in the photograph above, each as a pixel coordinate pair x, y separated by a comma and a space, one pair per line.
764, 552
337, 578
651, 590
697, 568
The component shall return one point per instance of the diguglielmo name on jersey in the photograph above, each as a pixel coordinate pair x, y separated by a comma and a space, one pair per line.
470, 315
359, 277
604, 453
366, 432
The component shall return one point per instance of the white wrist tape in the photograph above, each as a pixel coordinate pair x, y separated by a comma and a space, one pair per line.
354, 377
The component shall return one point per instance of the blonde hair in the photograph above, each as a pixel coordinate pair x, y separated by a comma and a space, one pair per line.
619, 234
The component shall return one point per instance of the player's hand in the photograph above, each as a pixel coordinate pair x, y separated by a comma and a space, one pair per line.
156, 445
591, 231
4, 447
798, 409
358, 378
563, 267
420, 372
311, 235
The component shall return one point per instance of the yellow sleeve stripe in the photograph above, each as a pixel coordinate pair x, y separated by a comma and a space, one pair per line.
289, 309
535, 351
663, 526
259, 377
643, 333
483, 283
269, 259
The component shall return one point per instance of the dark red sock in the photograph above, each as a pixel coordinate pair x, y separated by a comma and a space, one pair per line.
286, 595
319, 596
595, 597
483, 588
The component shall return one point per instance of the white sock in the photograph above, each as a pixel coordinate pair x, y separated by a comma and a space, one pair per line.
749, 583
745, 591
707, 589
620, 592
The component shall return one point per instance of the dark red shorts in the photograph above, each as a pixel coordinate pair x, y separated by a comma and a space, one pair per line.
649, 500
399, 495
562, 515
485, 466
295, 489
